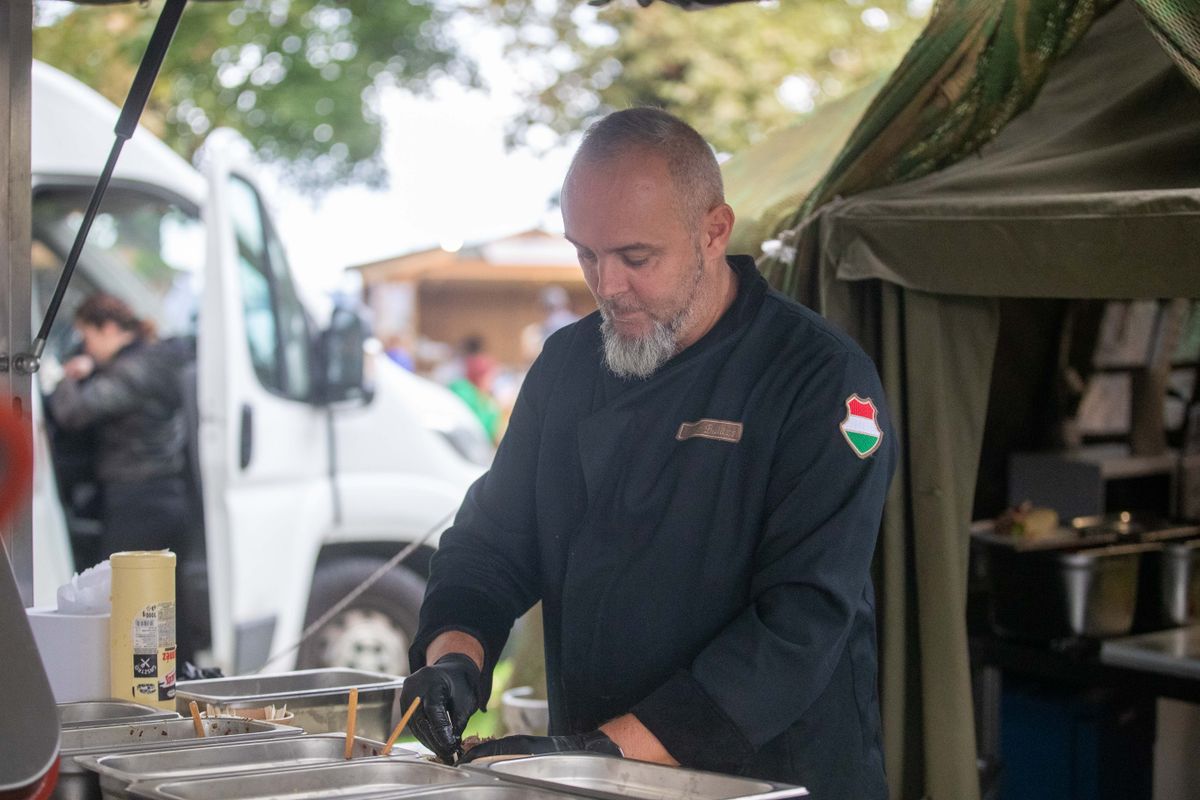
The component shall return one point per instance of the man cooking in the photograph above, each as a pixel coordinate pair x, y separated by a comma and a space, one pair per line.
691, 483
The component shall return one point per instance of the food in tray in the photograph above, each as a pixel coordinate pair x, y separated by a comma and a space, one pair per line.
270, 713
1028, 522
471, 742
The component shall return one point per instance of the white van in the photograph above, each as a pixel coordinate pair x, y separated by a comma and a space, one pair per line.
313, 463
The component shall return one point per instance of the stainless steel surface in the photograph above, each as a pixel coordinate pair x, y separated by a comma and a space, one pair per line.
91, 713
366, 778
1171, 594
29, 736
1055, 594
117, 771
318, 697
499, 792
1175, 652
1136, 526
76, 783
1064, 538
609, 777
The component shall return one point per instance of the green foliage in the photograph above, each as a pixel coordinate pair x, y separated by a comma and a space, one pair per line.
300, 79
734, 72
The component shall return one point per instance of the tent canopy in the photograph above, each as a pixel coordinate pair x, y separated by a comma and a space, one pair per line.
1094, 191
768, 182
1088, 186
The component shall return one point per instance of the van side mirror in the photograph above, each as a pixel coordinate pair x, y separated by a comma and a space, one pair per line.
340, 359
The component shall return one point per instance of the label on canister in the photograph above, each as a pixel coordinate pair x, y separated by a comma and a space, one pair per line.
153, 667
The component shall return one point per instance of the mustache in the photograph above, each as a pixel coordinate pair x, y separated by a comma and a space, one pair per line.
608, 308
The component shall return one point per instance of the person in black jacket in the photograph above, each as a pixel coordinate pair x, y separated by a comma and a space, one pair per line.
692, 484
126, 387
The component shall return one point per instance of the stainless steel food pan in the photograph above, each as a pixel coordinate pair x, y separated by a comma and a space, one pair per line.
107, 712
118, 770
1056, 594
358, 779
609, 777
318, 697
1169, 586
484, 792
77, 783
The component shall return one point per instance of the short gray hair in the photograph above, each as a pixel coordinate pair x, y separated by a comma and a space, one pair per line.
690, 161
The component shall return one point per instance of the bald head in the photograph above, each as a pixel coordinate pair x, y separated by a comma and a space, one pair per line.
650, 131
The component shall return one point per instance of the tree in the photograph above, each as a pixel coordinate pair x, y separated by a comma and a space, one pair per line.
300, 79
733, 72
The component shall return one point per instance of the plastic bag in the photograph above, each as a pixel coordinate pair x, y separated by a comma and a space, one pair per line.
89, 592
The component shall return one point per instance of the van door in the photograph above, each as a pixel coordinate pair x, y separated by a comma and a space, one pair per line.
263, 441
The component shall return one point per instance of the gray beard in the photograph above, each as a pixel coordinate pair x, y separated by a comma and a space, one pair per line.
641, 356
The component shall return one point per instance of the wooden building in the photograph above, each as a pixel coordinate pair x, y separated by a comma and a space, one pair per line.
493, 290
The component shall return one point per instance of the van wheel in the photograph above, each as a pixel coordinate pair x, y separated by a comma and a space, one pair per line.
373, 632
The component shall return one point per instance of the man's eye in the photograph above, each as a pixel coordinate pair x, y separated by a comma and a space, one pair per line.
635, 262
584, 256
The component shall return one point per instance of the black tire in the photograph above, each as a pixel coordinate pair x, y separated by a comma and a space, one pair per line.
374, 631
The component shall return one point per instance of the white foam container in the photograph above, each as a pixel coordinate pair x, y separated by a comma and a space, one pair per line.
74, 651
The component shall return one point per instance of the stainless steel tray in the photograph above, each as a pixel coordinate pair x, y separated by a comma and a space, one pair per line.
609, 777
374, 777
483, 792
76, 783
318, 697
118, 770
91, 713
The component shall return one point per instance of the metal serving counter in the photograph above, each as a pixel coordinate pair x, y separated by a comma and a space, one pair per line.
1174, 652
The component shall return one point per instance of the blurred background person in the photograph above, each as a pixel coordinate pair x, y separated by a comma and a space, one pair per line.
556, 304
474, 386
127, 388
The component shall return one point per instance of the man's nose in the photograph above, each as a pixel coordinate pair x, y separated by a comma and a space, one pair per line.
610, 278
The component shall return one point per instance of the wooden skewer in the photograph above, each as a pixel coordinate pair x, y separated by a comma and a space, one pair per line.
196, 721
387, 748
350, 720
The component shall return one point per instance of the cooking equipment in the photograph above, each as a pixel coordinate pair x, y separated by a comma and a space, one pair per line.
1173, 652
485, 792
117, 771
358, 779
1054, 594
1100, 577
90, 713
76, 783
318, 697
1135, 525
1169, 586
28, 726
610, 778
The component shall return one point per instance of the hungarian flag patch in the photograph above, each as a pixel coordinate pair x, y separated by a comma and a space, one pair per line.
861, 426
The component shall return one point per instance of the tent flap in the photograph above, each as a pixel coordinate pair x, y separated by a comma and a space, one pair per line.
1092, 192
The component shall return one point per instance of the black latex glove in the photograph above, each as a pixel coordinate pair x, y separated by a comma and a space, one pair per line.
449, 692
594, 742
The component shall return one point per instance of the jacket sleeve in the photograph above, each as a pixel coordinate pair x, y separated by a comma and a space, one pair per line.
812, 565
104, 394
485, 572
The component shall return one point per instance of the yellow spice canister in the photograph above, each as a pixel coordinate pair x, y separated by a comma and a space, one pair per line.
142, 627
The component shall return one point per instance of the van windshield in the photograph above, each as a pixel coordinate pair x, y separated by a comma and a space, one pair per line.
145, 248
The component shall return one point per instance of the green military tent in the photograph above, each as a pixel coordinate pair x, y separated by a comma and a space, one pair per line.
1022, 149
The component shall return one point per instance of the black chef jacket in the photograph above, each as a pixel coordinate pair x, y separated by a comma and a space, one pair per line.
700, 540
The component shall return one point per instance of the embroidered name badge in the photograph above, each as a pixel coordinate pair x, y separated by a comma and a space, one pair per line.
860, 427
718, 429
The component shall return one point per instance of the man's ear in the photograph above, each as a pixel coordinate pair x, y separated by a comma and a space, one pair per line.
718, 227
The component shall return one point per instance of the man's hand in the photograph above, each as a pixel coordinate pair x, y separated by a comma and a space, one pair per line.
594, 742
449, 692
